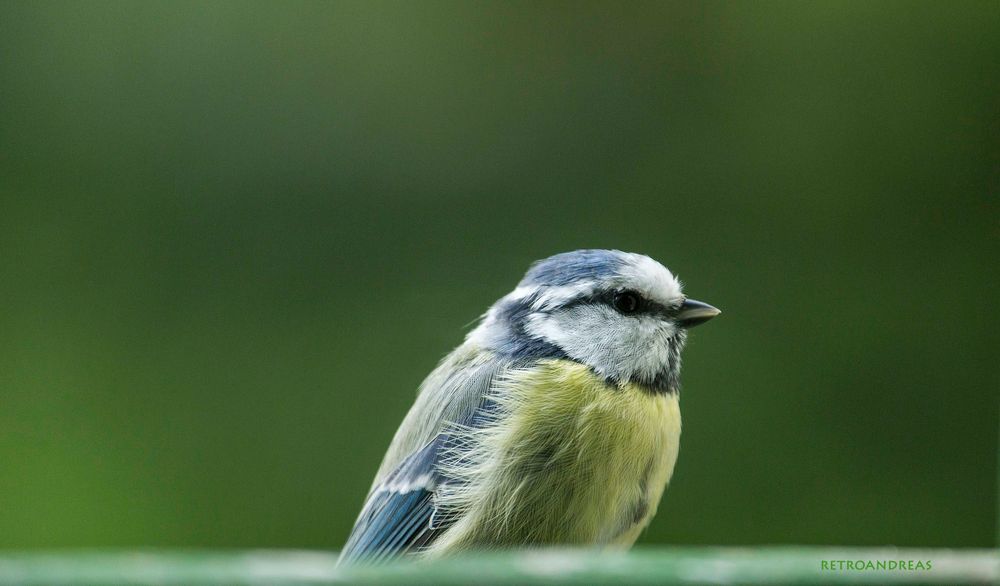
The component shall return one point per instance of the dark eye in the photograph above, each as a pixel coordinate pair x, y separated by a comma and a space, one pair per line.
627, 301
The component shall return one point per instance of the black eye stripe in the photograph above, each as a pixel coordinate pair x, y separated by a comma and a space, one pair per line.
646, 305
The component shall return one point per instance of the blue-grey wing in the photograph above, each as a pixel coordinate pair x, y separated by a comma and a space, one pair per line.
397, 515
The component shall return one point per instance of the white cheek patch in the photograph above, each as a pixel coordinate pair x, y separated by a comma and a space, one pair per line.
651, 357
546, 327
616, 346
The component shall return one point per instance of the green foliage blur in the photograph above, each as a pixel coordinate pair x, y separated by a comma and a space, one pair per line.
235, 237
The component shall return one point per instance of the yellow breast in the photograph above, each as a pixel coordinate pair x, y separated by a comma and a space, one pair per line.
570, 460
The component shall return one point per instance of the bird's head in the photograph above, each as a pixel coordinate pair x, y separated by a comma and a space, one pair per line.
622, 314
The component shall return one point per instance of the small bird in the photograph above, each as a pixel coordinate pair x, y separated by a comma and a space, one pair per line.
556, 422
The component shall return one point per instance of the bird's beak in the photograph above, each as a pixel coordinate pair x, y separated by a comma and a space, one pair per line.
693, 313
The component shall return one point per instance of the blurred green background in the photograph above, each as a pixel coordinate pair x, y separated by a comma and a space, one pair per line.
235, 237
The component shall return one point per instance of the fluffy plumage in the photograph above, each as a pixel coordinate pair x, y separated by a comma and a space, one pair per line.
557, 421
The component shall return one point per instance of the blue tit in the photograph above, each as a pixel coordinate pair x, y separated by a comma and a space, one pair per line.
556, 422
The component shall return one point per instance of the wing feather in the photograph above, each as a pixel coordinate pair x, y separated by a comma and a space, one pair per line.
398, 510
398, 515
